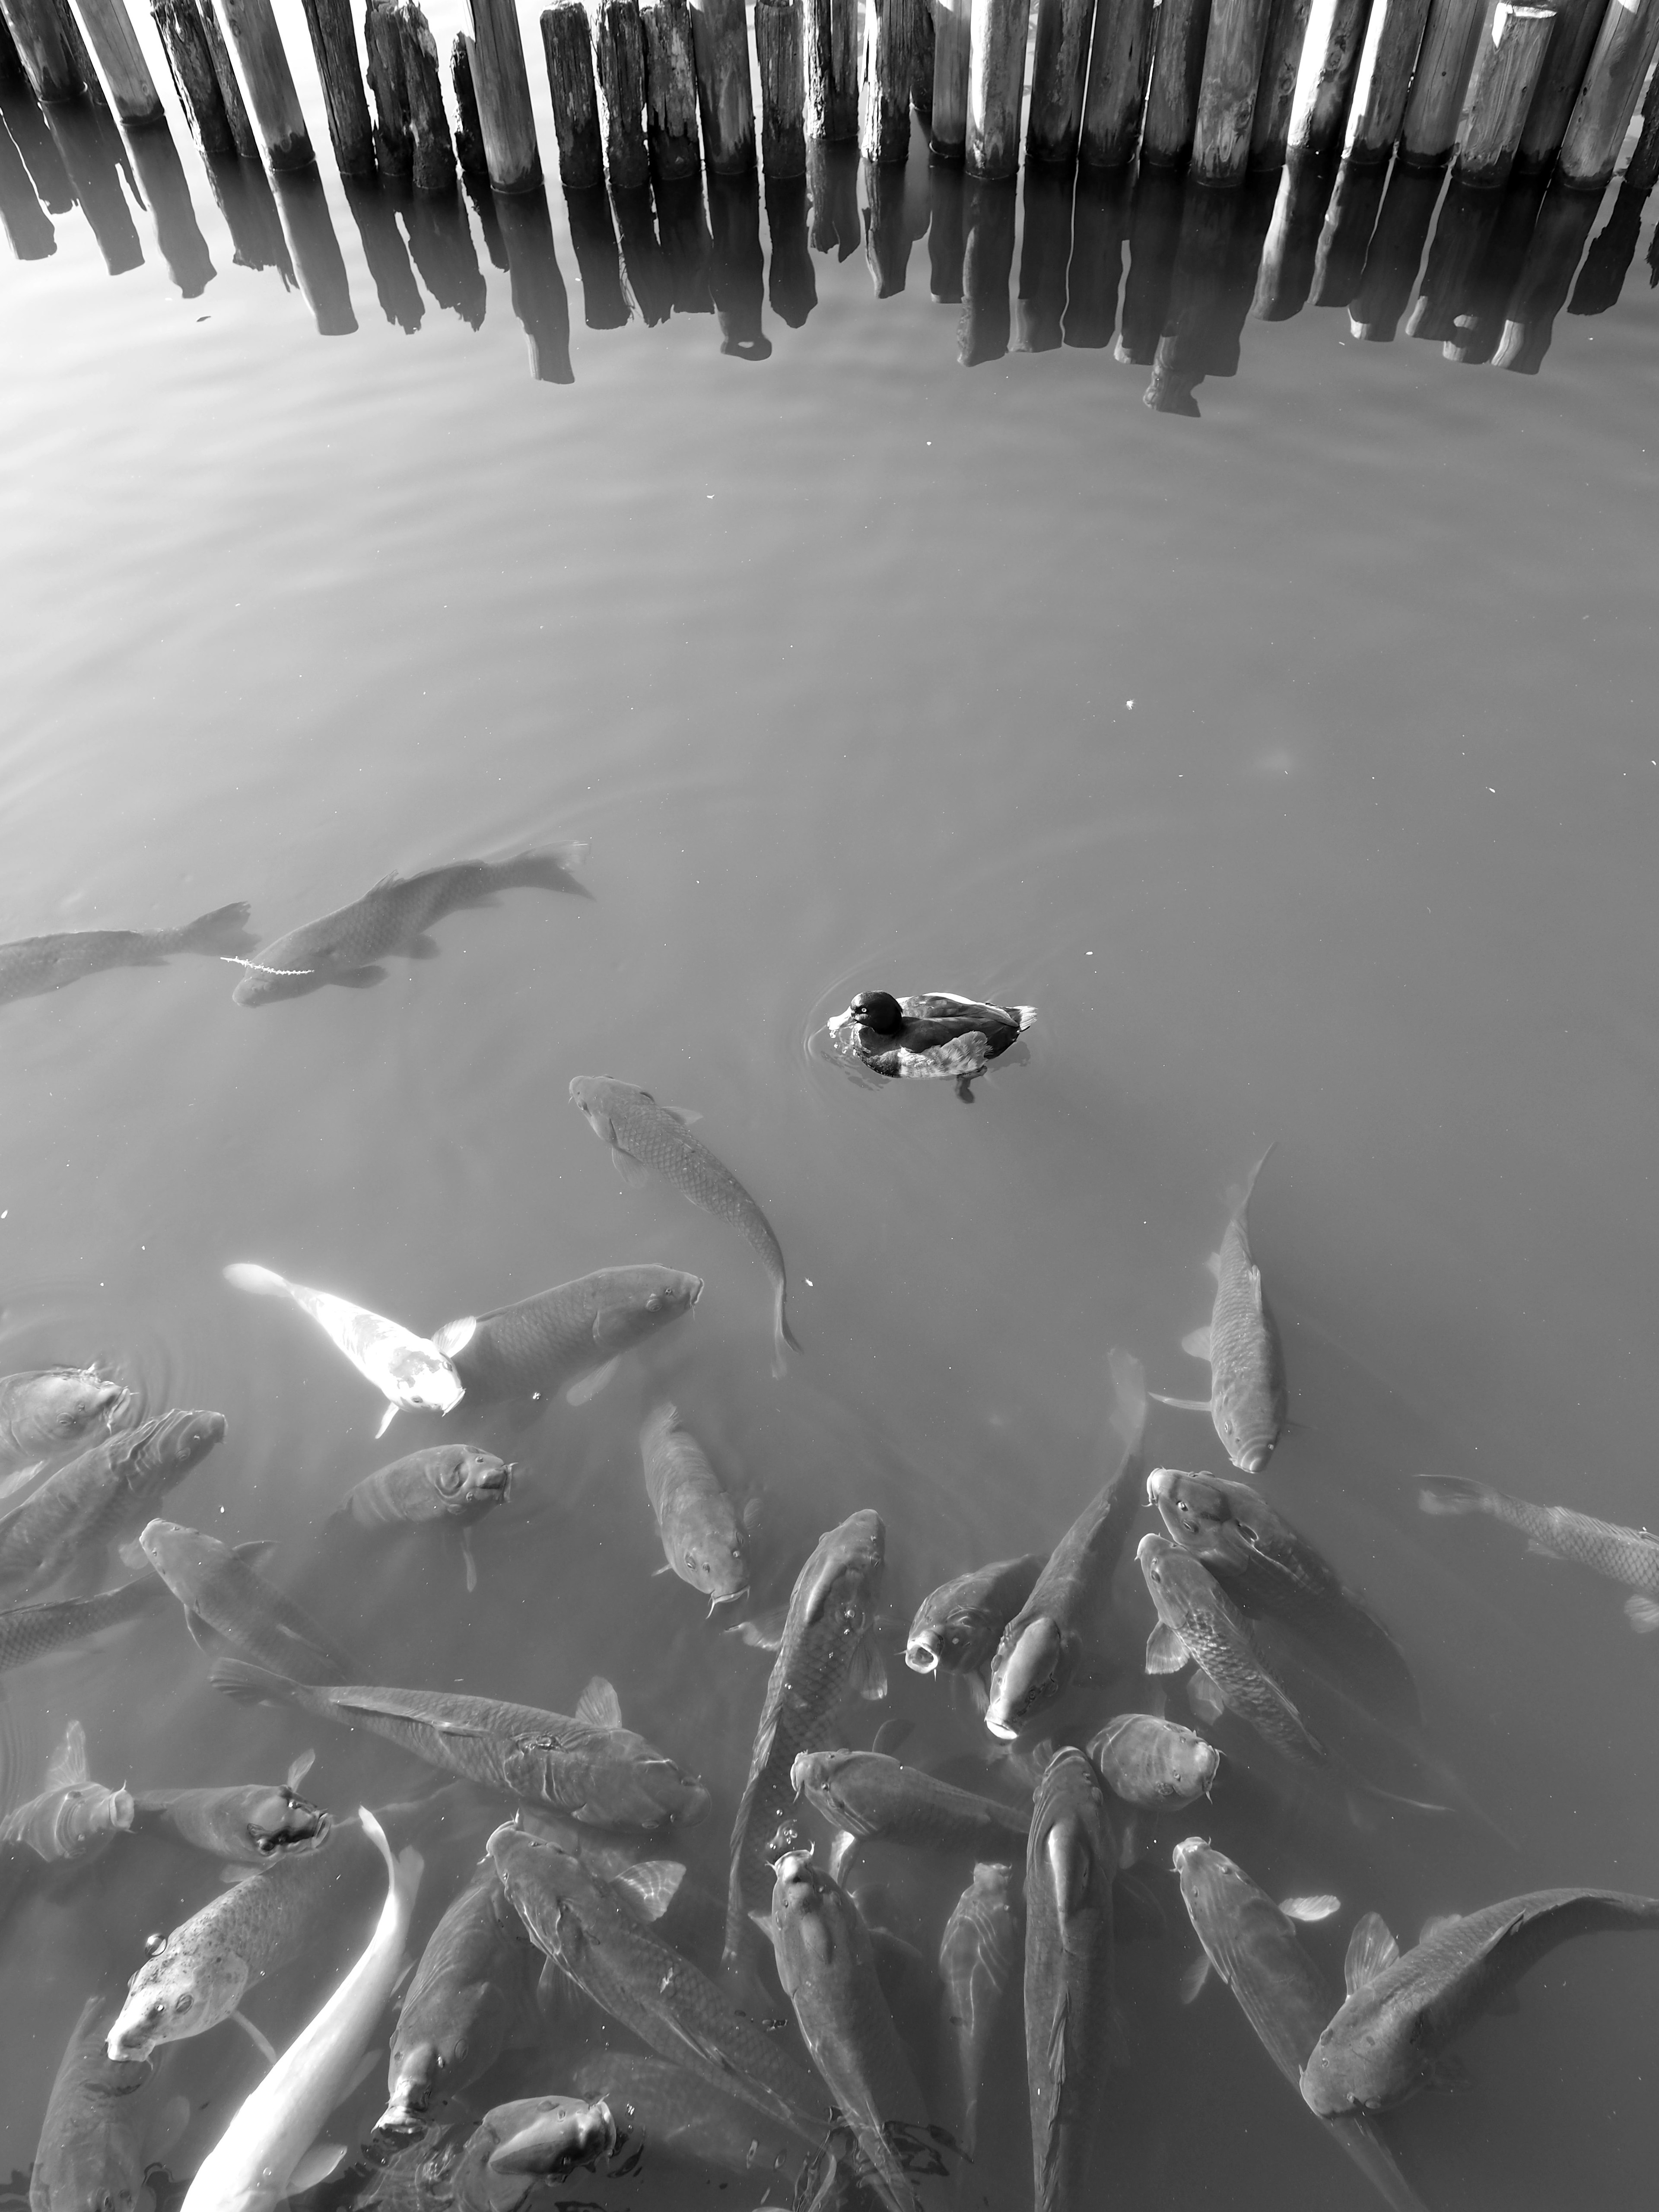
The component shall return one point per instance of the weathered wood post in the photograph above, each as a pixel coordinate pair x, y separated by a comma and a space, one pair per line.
394, 134
1355, 205
719, 38
539, 298
783, 88
890, 37
469, 134
1613, 84
1059, 66
27, 225
1292, 244
684, 229
423, 94
947, 127
329, 23
253, 29
1393, 38
317, 257
604, 304
502, 86
230, 93
1234, 51
987, 258
1324, 92
737, 266
1270, 130
1100, 223
1181, 30
996, 92
1509, 55
1578, 23
1154, 233
791, 284
569, 52
670, 90
832, 69
921, 64
947, 231
1429, 129
1115, 87
40, 33
1044, 257
131, 87
1394, 254
619, 51
1564, 222
189, 57
177, 231
886, 234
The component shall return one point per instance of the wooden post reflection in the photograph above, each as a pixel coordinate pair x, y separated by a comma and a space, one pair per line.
1182, 355
1466, 216
1154, 233
1564, 224
539, 293
441, 246
685, 241
1355, 205
317, 255
1045, 256
645, 265
1100, 223
791, 284
1394, 254
736, 267
1478, 324
177, 231
1605, 266
987, 264
598, 265
886, 234
946, 231
27, 225
1253, 202
243, 191
26, 122
482, 200
374, 208
1292, 246
93, 156
832, 181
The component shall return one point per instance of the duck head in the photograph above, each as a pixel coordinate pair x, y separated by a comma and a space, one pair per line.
878, 1011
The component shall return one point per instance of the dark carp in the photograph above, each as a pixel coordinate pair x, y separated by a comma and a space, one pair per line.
705, 1537
472, 1995
48, 1410
957, 1626
73, 1816
976, 1956
28, 1632
866, 1794
1629, 1555
517, 2145
1197, 1621
1151, 1765
31, 966
61, 1536
1242, 1346
453, 1485
106, 2123
230, 1609
669, 2113
1071, 1863
567, 1338
242, 1822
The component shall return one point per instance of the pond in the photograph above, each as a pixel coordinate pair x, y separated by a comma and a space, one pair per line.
810, 565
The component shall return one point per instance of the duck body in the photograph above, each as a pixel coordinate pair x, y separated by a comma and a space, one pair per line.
932, 1034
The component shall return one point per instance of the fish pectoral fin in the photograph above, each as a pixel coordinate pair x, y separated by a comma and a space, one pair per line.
891, 1733
423, 948
633, 1172
591, 1385
1253, 1277
1371, 1949
1543, 1552
68, 1764
1204, 1697
650, 1887
318, 2162
455, 1335
1192, 1981
1214, 1263
685, 1115
360, 2073
1131, 1844
868, 1676
842, 1844
765, 1631
1181, 1405
257, 1550
1643, 1615
1165, 1652
386, 1420
18, 1476
132, 1556
208, 1639
359, 979
1196, 1344
301, 1767
471, 1563
1309, 1908
599, 1705
261, 2042
1450, 2073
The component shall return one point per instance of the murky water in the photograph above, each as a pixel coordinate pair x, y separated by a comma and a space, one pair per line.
1296, 763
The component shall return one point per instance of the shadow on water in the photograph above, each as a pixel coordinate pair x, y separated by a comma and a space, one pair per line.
946, 231
27, 225
1394, 255
684, 230
646, 271
1100, 229
886, 227
832, 183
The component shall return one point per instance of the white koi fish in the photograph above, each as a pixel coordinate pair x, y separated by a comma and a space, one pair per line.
408, 1370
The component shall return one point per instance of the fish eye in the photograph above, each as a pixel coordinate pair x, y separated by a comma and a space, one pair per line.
183, 2004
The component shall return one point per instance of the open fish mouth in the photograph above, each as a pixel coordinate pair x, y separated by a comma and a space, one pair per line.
921, 1657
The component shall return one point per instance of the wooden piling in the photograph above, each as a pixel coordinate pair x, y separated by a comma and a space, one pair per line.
783, 88
1393, 38
1355, 205
469, 135
987, 258
719, 38
1234, 51
575, 97
831, 40
1324, 91
1623, 54
792, 287
394, 134
12, 72
921, 64
230, 94
1508, 59
1642, 170
189, 59
619, 53
329, 23
251, 26
996, 92
131, 87
886, 234
890, 37
41, 34
1281, 63
1115, 87
502, 86
947, 124
317, 257
1100, 224
423, 93
1578, 24
1181, 30
177, 233
670, 90
1059, 66
539, 298
1444, 62
1394, 254
1289, 255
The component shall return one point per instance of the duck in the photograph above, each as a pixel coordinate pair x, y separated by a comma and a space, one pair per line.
935, 1033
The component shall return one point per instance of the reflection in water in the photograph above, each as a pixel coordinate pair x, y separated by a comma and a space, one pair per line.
945, 233
483, 207
792, 287
1100, 224
93, 156
598, 269
684, 234
1196, 300
645, 265
832, 179
243, 191
538, 294
1467, 222
1605, 266
987, 263
1154, 233
27, 225
1394, 255
177, 232
736, 267
1292, 246
1480, 315
373, 210
886, 232
28, 128
440, 246
1564, 222
317, 254
1347, 237
1045, 253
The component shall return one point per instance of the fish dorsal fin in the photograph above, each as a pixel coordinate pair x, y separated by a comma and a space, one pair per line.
455, 1335
68, 1764
868, 1677
649, 1888
1310, 1909
685, 1115
301, 1767
387, 1418
599, 1705
1435, 1922
1196, 1343
591, 1385
318, 2162
253, 1553
1205, 1699
387, 883
1371, 1949
1192, 1981
1253, 1276
1165, 1652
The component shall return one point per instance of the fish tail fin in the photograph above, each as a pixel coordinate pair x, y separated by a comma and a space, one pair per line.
250, 1684
1024, 1015
547, 868
224, 930
264, 1282
1451, 1493
1240, 1201
782, 1333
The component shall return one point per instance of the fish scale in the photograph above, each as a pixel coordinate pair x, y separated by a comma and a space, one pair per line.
1629, 1555
1247, 1365
29, 1631
1192, 1604
1070, 1864
63, 1533
558, 1337
873, 1794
